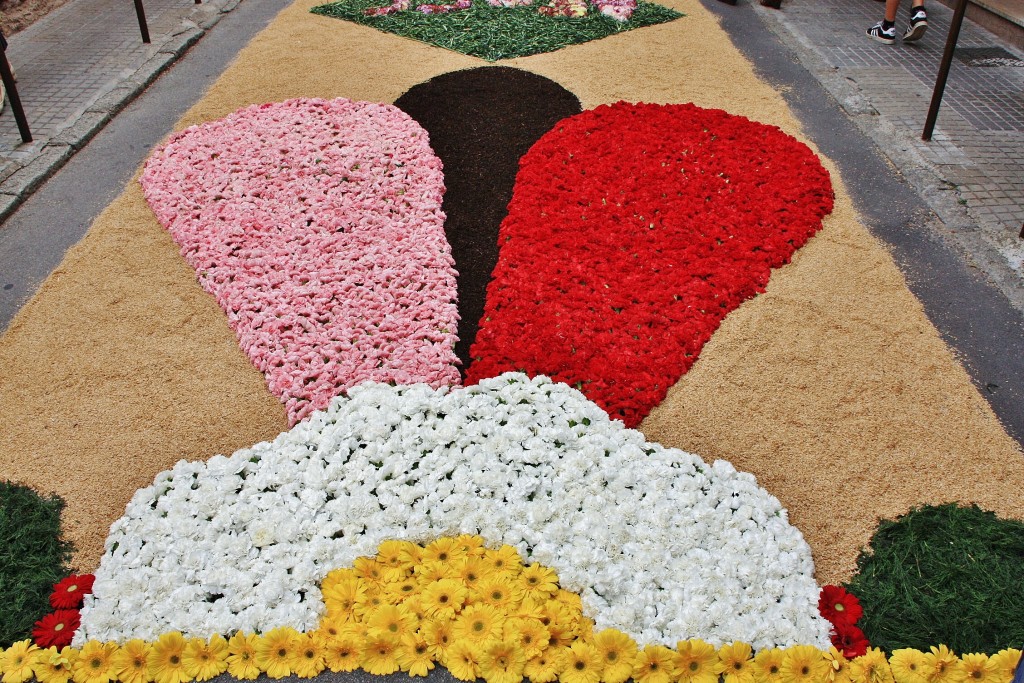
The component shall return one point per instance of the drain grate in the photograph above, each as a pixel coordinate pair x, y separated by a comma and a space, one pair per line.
987, 56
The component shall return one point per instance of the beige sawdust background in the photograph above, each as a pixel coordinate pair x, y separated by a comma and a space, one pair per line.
832, 387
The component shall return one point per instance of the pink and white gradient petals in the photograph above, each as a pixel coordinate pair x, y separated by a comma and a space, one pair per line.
317, 226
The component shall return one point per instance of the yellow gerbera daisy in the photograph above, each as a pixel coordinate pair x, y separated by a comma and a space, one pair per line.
415, 607
53, 666
804, 664
942, 665
978, 668
427, 573
698, 662
839, 666
341, 597
479, 623
398, 554
94, 663
379, 656
559, 622
538, 581
439, 634
655, 664
737, 663
499, 591
572, 603
274, 651
414, 655
581, 663
502, 661
368, 601
472, 569
1005, 662
307, 656
462, 661
472, 544
391, 620
545, 667
337, 576
131, 662
444, 599
531, 635
504, 559
871, 667
399, 591
241, 657
329, 627
617, 652
445, 550
370, 570
16, 661
768, 665
343, 653
205, 659
908, 666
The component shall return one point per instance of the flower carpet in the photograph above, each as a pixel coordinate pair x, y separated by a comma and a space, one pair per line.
577, 368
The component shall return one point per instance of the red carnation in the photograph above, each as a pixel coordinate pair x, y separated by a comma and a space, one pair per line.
839, 607
56, 629
69, 593
850, 640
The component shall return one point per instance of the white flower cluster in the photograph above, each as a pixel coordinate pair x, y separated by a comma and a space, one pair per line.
658, 544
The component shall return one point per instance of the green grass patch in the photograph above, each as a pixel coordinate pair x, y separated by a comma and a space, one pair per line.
494, 33
945, 574
32, 558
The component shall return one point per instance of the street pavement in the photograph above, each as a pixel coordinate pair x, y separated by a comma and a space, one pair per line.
950, 210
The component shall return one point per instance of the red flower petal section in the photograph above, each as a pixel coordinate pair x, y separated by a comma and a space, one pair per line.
839, 607
850, 640
56, 629
70, 592
632, 232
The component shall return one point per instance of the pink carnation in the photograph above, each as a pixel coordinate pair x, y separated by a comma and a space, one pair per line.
317, 226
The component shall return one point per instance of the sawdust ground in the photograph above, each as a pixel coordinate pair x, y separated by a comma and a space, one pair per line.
832, 387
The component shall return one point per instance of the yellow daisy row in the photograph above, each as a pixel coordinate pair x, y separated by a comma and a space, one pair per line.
480, 613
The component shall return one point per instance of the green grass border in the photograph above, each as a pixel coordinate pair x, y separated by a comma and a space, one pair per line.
943, 574
494, 33
33, 557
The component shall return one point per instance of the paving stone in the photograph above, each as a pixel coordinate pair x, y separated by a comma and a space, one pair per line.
90, 123
8, 203
116, 99
28, 178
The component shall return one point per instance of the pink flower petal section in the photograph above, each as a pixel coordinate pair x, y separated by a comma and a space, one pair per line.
317, 225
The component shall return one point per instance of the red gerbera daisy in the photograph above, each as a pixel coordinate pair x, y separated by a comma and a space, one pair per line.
850, 640
69, 593
56, 628
838, 606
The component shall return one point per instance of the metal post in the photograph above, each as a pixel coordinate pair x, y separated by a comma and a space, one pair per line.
141, 14
947, 60
12, 95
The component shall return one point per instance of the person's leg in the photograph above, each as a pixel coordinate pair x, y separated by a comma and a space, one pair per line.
890, 9
885, 30
918, 22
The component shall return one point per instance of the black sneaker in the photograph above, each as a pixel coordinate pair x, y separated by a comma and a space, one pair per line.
918, 25
881, 34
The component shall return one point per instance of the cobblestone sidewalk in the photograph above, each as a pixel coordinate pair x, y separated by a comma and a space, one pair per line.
972, 171
77, 67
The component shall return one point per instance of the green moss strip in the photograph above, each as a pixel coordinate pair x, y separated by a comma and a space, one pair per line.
32, 558
943, 574
494, 33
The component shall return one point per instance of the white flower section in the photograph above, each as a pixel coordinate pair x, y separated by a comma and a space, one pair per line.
657, 543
